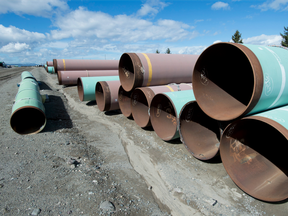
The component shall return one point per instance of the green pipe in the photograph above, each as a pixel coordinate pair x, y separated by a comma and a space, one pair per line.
164, 112
86, 86
51, 69
28, 112
27, 74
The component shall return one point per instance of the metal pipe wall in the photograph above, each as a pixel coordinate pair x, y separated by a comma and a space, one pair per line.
71, 77
86, 86
253, 152
83, 64
164, 112
142, 97
231, 80
124, 99
106, 94
142, 69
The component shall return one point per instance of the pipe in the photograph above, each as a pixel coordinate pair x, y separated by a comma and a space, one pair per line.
124, 99
28, 75
231, 80
142, 97
84, 64
253, 152
28, 112
106, 94
49, 63
141, 69
164, 112
199, 133
51, 69
86, 86
71, 77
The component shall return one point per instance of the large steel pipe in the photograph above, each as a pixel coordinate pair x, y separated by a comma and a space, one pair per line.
142, 97
49, 63
199, 133
84, 64
254, 153
231, 80
71, 77
106, 94
86, 86
164, 112
142, 69
28, 112
50, 69
124, 99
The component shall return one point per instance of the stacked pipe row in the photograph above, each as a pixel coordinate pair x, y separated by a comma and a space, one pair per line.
28, 112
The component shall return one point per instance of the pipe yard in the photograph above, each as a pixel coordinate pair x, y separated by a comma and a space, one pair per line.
189, 134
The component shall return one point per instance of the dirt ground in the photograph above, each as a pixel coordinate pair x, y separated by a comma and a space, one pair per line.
88, 162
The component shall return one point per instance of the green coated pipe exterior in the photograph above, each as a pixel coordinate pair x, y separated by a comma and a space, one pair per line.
51, 69
27, 74
28, 112
86, 86
164, 112
254, 153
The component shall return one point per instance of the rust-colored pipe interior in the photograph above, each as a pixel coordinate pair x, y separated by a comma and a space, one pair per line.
140, 108
80, 89
124, 99
255, 157
27, 120
103, 98
199, 133
223, 80
163, 117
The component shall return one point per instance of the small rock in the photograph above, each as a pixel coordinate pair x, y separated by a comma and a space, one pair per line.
107, 206
150, 188
212, 202
36, 212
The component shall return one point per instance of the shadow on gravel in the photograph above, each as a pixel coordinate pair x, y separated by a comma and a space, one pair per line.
91, 103
113, 112
44, 86
56, 114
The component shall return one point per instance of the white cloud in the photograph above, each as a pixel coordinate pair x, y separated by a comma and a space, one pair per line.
193, 50
82, 23
220, 5
273, 5
13, 34
151, 7
217, 41
32, 7
264, 40
14, 47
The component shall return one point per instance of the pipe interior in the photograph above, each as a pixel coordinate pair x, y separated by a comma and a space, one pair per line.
200, 133
254, 155
126, 72
140, 108
163, 117
124, 100
80, 89
224, 81
99, 95
27, 120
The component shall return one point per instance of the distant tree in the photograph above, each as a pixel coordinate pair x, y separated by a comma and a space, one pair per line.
237, 37
284, 41
157, 51
168, 51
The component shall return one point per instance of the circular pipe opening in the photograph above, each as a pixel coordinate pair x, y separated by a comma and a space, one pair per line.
223, 80
102, 96
80, 89
140, 108
124, 99
59, 76
199, 133
28, 120
163, 117
253, 152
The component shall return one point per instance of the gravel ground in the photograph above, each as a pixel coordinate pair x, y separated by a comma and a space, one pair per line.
87, 162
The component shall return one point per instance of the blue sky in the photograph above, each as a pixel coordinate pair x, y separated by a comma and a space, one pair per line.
36, 31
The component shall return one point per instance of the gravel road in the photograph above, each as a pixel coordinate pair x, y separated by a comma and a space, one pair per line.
87, 162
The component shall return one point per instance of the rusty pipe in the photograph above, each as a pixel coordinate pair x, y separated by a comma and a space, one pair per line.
142, 97
231, 80
71, 77
150, 69
253, 152
124, 99
106, 93
84, 64
199, 133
